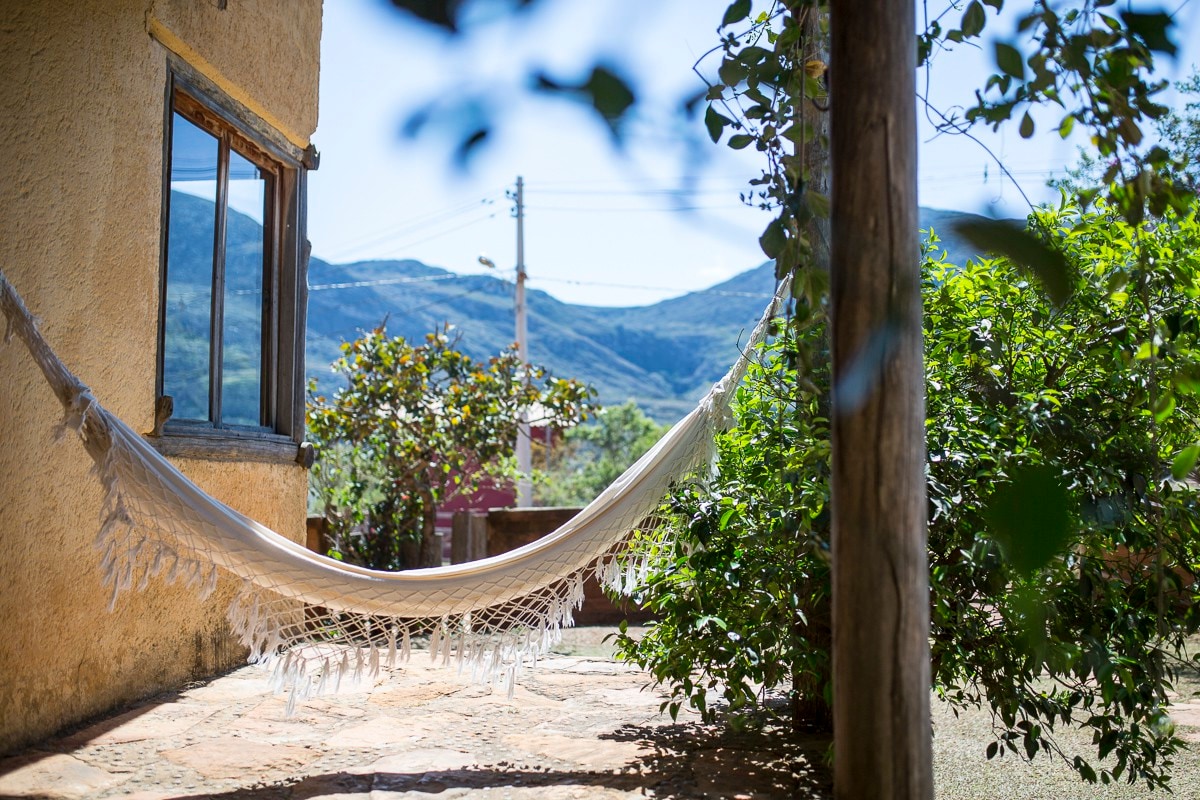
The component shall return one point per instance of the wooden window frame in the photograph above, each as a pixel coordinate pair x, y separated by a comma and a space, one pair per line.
285, 298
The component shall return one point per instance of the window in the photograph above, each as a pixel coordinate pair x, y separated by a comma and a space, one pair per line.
233, 264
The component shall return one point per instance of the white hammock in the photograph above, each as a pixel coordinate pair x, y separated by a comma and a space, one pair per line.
318, 619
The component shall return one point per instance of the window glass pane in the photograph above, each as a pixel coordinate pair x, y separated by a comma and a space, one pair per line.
190, 235
242, 355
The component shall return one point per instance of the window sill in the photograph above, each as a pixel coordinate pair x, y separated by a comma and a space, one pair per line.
228, 445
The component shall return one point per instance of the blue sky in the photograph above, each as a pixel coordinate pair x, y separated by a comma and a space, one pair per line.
603, 227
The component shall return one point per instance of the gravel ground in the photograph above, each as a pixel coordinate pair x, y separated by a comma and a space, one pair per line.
961, 768
962, 772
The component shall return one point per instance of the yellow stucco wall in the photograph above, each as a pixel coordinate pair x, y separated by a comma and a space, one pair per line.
80, 196
264, 53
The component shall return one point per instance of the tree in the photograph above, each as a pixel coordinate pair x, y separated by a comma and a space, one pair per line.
739, 576
1098, 66
880, 652
1063, 527
414, 426
1179, 130
1063, 533
593, 456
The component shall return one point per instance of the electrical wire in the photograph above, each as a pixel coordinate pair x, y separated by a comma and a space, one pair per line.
575, 183
658, 192
643, 287
631, 210
533, 281
431, 237
318, 287
414, 223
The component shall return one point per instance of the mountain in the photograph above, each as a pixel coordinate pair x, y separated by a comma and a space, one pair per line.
663, 356
941, 223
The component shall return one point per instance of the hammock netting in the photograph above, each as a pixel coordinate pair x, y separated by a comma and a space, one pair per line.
317, 620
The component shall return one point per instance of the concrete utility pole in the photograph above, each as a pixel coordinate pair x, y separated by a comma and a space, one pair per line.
524, 453
523, 449
880, 574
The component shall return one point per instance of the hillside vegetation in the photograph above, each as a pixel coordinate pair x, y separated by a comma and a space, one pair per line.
662, 356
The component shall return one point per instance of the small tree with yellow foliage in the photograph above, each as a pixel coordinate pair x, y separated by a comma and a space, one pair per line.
415, 425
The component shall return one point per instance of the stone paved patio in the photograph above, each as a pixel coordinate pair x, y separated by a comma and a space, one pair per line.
580, 726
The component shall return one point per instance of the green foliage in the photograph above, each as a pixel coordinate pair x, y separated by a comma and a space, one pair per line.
739, 578
1030, 517
593, 456
1087, 396
1023, 248
772, 88
664, 356
1178, 132
604, 90
1095, 62
1089, 401
1061, 547
415, 425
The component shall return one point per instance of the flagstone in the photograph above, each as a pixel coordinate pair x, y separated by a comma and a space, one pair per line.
220, 692
589, 752
279, 731
415, 694
141, 724
338, 786
732, 773
234, 757
574, 730
416, 761
39, 774
382, 732
634, 697
1186, 714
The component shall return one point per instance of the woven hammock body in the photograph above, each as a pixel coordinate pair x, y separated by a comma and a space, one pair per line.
318, 619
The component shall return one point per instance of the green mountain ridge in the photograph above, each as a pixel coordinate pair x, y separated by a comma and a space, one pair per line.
662, 362
664, 356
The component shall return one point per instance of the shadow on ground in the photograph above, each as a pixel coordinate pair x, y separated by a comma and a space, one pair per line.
681, 761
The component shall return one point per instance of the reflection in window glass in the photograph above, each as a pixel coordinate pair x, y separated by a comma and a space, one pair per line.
242, 345
190, 237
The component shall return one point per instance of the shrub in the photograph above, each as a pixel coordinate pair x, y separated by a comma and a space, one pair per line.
1062, 533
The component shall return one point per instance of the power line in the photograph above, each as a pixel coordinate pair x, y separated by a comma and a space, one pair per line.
431, 237
643, 287
644, 192
413, 223
468, 290
634, 210
463, 293
385, 282
407, 228
542, 186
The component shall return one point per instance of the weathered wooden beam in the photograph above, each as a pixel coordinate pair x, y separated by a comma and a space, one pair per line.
882, 732
219, 446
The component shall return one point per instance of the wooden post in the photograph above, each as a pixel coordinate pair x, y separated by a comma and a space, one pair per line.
468, 536
882, 746
458, 537
477, 536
